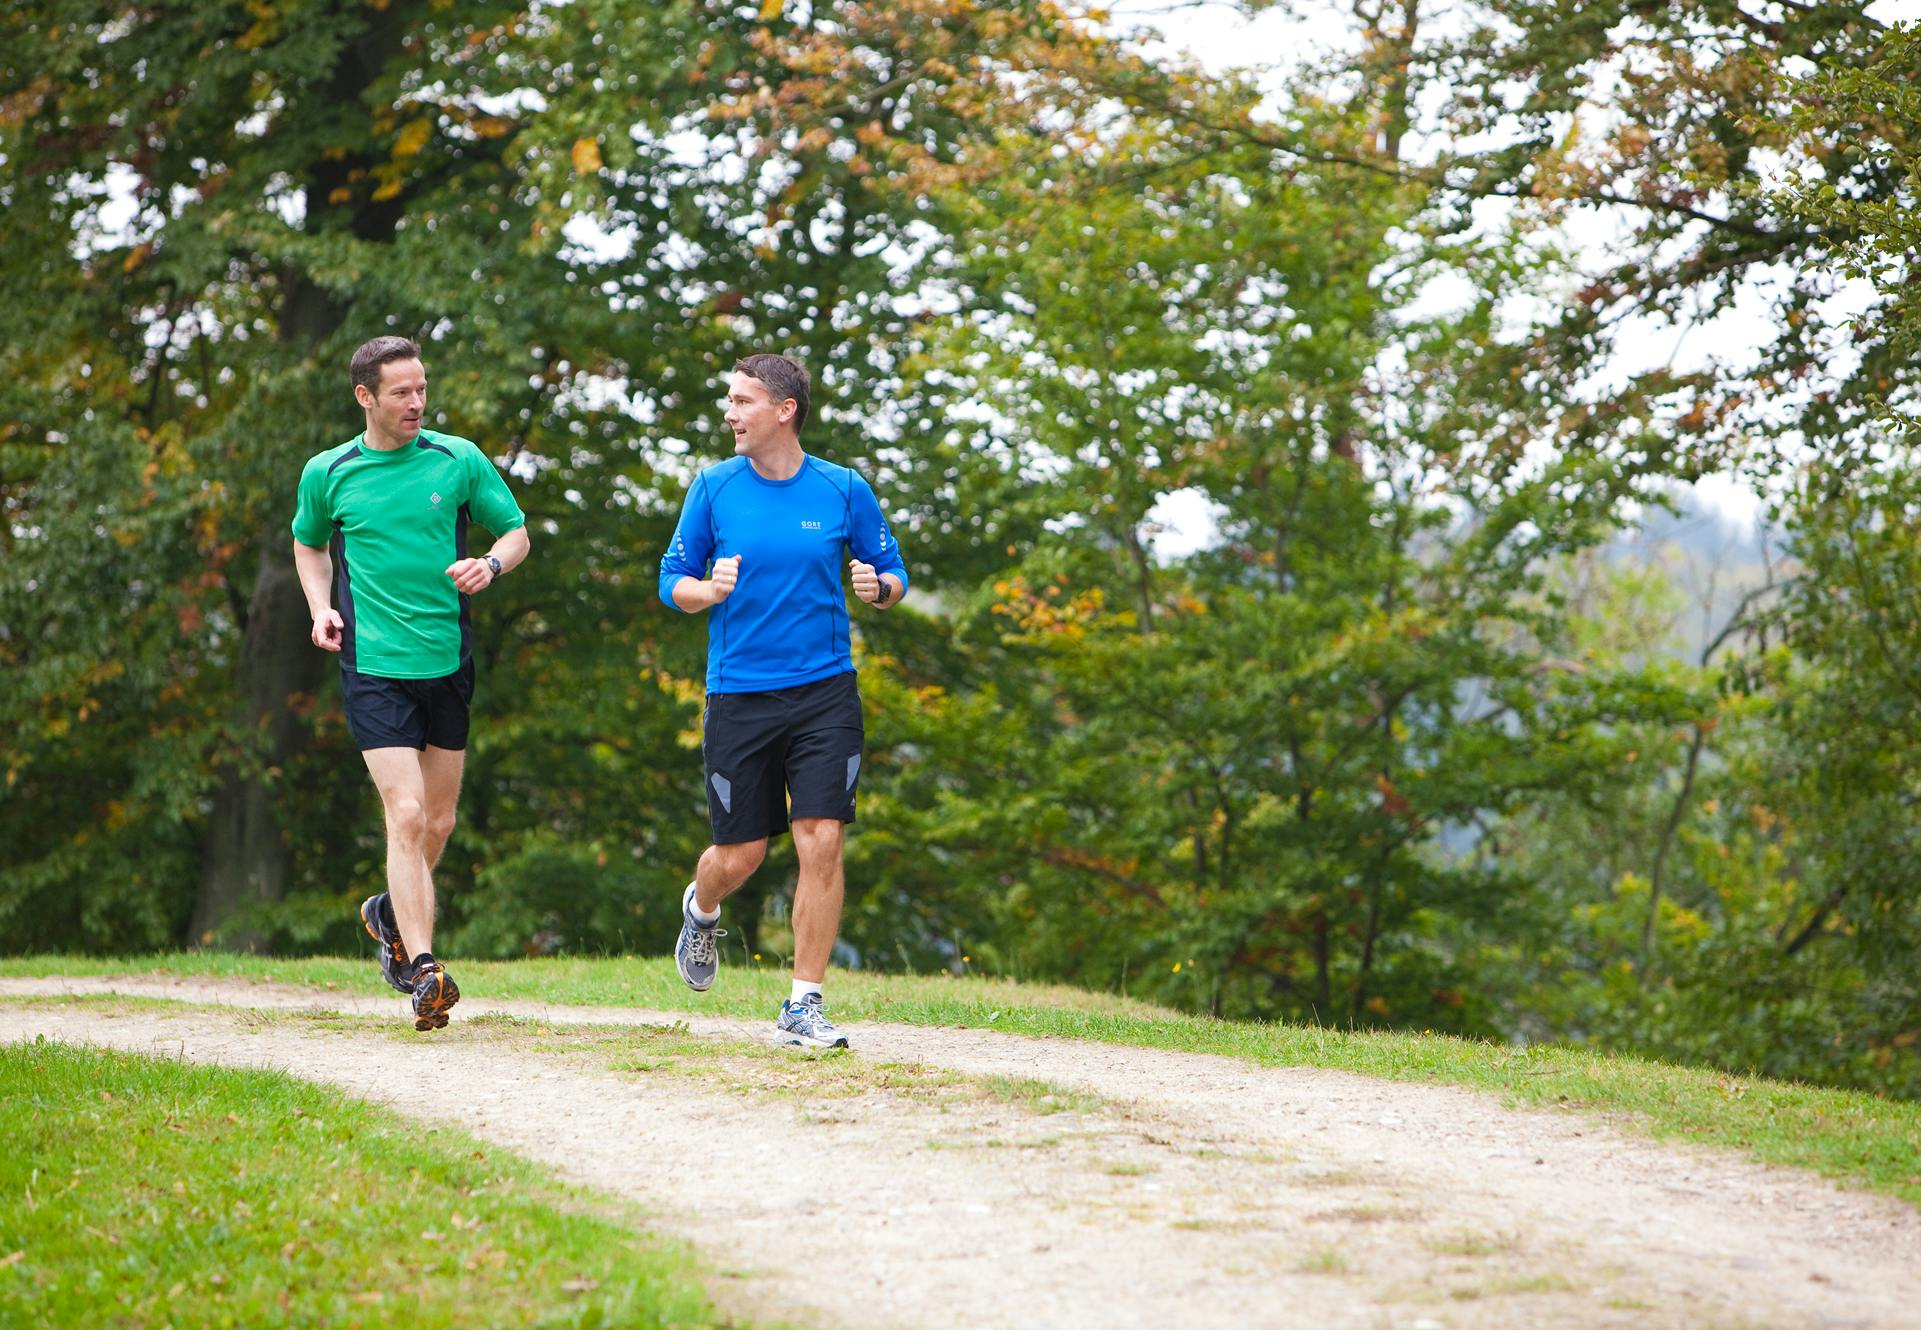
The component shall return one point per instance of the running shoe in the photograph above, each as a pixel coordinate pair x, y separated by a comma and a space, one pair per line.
434, 992
695, 955
377, 913
805, 1025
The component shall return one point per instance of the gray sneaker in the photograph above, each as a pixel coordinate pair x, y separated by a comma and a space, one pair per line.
805, 1024
695, 955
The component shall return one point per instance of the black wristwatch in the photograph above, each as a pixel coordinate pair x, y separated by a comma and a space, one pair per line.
493, 563
885, 592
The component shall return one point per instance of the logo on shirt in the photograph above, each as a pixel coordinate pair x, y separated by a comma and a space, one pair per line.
436, 498
806, 525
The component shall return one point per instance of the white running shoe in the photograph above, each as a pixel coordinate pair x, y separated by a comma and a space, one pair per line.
805, 1024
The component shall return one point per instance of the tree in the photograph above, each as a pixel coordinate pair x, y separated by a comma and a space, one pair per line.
301, 176
1225, 779
306, 174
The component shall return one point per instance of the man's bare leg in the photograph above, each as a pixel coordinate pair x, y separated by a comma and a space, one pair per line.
720, 873
440, 770
398, 775
723, 870
817, 894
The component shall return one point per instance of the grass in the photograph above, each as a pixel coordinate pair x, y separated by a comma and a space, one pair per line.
1852, 1137
149, 1191
1323, 1261
745, 1068
1043, 1097
1467, 1242
1369, 1214
1544, 1283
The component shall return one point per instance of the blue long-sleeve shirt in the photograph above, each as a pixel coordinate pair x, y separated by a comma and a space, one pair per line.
786, 622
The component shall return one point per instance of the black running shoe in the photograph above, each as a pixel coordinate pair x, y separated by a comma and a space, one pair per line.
377, 913
434, 992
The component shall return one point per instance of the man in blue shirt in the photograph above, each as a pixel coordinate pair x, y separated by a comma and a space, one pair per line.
758, 546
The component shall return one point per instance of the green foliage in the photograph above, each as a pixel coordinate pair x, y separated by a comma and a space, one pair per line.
479, 179
1223, 780
1367, 756
1862, 200
1781, 941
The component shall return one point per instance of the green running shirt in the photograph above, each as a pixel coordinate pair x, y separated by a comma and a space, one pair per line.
393, 521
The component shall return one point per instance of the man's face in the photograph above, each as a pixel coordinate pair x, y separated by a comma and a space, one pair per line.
396, 406
755, 418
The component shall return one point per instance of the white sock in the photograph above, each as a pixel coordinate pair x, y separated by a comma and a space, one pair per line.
701, 917
801, 989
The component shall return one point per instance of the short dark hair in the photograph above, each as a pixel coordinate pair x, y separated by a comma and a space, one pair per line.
372, 355
786, 380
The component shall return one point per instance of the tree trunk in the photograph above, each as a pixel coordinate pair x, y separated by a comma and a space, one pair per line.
246, 859
246, 856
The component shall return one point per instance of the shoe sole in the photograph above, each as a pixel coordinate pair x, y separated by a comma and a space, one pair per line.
434, 1017
791, 1040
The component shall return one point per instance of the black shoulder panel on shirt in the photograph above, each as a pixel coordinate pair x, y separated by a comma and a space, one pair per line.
352, 452
439, 448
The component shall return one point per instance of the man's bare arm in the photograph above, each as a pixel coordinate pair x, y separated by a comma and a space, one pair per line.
694, 594
316, 569
471, 575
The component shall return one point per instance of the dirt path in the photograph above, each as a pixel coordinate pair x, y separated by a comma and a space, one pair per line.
1205, 1191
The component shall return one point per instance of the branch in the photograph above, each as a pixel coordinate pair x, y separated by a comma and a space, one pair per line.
1812, 929
1440, 179
1146, 891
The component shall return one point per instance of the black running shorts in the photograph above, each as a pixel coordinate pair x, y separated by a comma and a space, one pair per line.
407, 713
762, 748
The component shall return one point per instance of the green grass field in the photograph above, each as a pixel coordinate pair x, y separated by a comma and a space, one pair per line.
149, 1192
1854, 1138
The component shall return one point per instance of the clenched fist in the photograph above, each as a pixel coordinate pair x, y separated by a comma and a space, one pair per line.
471, 575
726, 573
867, 583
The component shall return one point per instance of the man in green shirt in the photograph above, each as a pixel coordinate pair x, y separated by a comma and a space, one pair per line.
380, 541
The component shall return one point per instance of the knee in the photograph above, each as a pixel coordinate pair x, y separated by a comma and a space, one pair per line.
737, 861
406, 819
439, 827
817, 838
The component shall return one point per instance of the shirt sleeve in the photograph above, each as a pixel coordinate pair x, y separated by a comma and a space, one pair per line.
312, 524
488, 497
869, 536
693, 542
